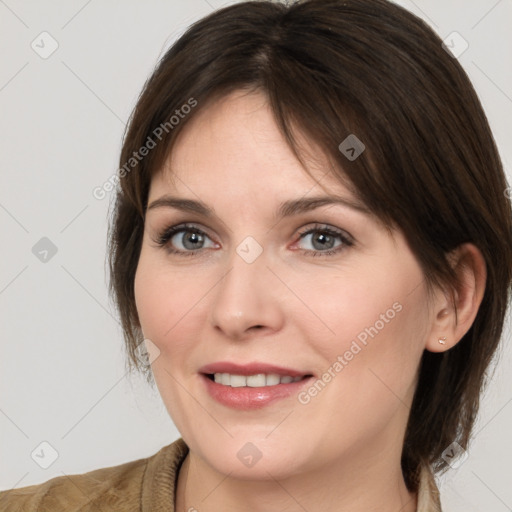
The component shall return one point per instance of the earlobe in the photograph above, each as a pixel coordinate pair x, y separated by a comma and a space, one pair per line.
441, 336
454, 315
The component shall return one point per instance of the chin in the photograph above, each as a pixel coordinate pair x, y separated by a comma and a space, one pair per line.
247, 457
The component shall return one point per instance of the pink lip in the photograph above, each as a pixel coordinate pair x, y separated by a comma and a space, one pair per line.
248, 398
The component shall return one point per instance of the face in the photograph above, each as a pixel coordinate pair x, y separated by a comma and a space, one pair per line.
251, 294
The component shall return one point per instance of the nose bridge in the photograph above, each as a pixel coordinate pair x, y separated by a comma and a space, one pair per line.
244, 295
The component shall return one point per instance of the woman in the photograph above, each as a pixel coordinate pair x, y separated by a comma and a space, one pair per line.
311, 255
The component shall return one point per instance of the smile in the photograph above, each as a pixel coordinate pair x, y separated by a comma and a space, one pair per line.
253, 381
248, 392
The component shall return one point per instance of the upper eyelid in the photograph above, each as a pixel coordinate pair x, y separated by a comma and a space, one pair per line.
191, 212
290, 211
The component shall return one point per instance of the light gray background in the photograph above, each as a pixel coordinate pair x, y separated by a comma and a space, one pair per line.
61, 362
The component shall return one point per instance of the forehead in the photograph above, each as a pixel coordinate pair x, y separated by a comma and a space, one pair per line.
234, 146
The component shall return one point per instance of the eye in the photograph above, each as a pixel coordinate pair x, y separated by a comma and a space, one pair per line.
188, 240
184, 239
325, 240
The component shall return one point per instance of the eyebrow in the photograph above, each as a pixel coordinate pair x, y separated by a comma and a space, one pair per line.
286, 209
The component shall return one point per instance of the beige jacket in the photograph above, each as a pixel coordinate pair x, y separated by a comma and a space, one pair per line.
143, 485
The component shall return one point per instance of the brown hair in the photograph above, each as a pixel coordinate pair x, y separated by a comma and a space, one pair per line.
431, 167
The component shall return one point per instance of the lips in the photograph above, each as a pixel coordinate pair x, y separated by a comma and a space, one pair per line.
241, 386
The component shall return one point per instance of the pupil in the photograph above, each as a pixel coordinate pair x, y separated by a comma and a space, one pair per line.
192, 239
326, 238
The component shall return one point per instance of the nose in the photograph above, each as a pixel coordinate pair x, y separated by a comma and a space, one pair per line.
246, 300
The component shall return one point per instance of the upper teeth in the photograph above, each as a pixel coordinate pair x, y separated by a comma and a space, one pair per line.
253, 381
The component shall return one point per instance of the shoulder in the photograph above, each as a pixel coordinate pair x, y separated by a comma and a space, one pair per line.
118, 488
111, 485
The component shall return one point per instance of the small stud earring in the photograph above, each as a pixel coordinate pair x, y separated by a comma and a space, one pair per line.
442, 340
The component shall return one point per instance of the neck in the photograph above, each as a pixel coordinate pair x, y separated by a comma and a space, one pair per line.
374, 487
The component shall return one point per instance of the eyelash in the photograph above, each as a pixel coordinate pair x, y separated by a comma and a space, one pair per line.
165, 235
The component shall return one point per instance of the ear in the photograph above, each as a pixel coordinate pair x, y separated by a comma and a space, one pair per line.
450, 323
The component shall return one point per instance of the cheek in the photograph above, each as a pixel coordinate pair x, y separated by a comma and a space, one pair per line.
375, 321
385, 301
342, 308
168, 303
148, 299
155, 299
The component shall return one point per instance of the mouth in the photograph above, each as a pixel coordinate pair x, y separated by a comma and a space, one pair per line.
258, 380
251, 386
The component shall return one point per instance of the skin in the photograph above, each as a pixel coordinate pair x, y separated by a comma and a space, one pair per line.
340, 451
